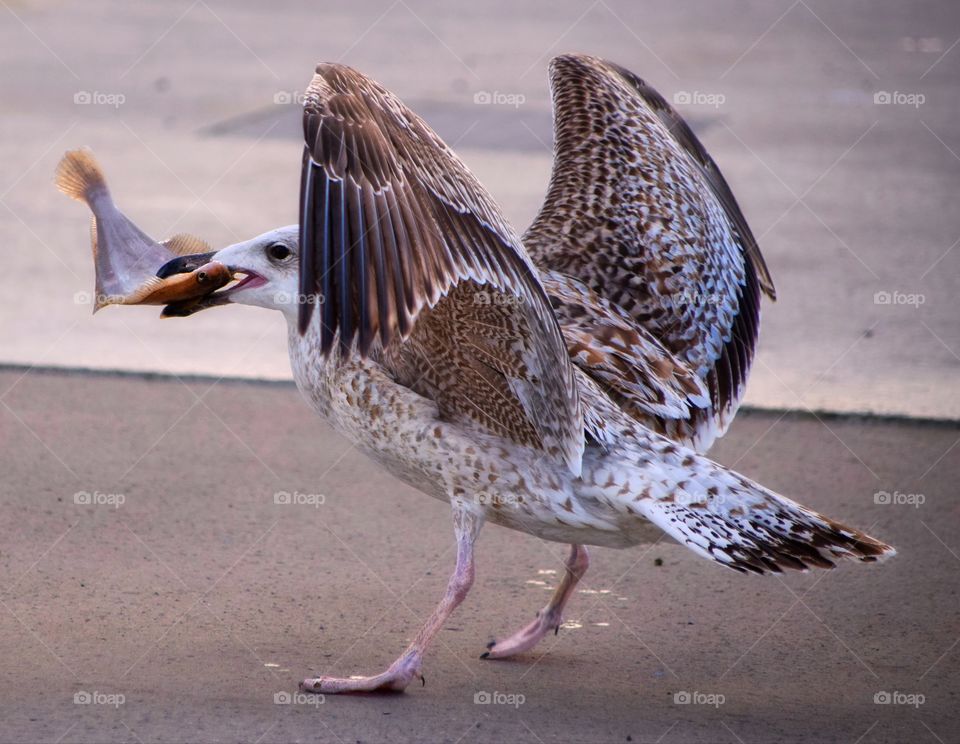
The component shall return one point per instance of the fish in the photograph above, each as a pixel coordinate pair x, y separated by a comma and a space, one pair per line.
126, 259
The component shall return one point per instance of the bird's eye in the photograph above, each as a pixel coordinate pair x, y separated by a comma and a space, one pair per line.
278, 252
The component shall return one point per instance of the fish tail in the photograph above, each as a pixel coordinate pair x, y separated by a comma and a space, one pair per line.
79, 176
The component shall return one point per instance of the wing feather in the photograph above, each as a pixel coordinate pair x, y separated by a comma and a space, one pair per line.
391, 223
682, 133
639, 211
628, 363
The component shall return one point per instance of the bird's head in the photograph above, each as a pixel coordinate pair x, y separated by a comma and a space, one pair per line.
265, 267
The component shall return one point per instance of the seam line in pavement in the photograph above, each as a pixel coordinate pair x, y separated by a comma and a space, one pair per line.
157, 376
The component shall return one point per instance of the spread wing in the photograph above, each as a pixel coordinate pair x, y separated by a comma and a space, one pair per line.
640, 212
406, 257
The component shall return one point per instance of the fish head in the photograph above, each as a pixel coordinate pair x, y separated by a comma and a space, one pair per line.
266, 270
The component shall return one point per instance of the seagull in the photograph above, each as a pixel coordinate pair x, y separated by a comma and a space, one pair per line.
565, 383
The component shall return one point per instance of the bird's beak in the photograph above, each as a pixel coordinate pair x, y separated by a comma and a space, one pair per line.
192, 273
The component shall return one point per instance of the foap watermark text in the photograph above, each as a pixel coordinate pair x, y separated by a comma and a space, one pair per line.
698, 98
685, 697
498, 98
899, 98
296, 498
895, 697
496, 697
898, 498
898, 298
98, 98
298, 698
95, 697
98, 498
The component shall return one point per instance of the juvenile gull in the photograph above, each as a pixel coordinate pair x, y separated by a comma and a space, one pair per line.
564, 384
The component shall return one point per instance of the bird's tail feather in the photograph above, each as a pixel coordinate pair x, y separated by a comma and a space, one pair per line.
765, 535
728, 518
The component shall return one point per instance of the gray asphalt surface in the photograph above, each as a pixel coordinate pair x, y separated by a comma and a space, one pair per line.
198, 598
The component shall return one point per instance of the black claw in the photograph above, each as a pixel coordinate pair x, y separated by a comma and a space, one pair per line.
556, 630
491, 644
485, 655
423, 681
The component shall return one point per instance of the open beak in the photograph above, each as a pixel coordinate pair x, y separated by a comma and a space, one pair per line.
200, 278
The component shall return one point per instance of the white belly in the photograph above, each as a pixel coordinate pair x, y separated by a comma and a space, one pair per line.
516, 486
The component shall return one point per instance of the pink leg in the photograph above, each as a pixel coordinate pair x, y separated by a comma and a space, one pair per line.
550, 617
410, 664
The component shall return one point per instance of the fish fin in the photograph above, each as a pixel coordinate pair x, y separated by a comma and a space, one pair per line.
149, 286
79, 175
99, 298
184, 244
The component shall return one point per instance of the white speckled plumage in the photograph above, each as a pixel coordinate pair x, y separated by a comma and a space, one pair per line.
563, 385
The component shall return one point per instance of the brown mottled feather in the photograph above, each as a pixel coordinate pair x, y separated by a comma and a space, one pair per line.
628, 363
468, 354
391, 223
640, 212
